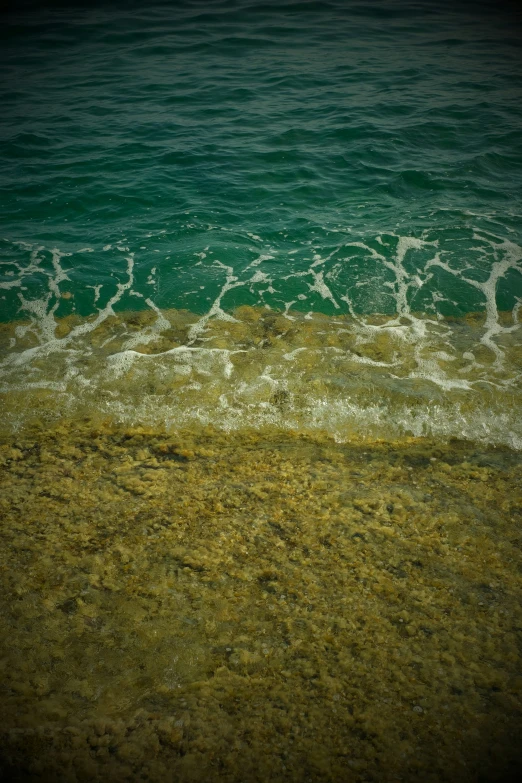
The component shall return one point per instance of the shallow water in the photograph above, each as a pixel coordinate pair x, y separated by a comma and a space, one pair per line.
380, 376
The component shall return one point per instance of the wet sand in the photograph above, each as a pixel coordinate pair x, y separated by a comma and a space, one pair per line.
254, 606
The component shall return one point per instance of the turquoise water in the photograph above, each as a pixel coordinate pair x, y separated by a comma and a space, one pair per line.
341, 158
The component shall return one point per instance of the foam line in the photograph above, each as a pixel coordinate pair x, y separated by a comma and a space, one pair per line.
270, 363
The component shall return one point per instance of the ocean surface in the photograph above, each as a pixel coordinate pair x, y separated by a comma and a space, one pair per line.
297, 213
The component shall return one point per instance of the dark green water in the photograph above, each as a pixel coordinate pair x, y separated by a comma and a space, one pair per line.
336, 157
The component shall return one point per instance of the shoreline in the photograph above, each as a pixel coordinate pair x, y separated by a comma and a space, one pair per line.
378, 377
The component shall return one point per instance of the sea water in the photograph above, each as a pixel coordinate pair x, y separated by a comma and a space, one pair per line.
260, 289
353, 172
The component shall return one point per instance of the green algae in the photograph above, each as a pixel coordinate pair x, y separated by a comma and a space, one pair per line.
258, 605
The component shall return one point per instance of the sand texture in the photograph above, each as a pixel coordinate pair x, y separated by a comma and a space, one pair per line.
258, 606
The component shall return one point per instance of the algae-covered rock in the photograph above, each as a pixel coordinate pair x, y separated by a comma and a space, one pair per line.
257, 603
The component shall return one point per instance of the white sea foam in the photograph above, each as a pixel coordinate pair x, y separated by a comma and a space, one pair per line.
409, 372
